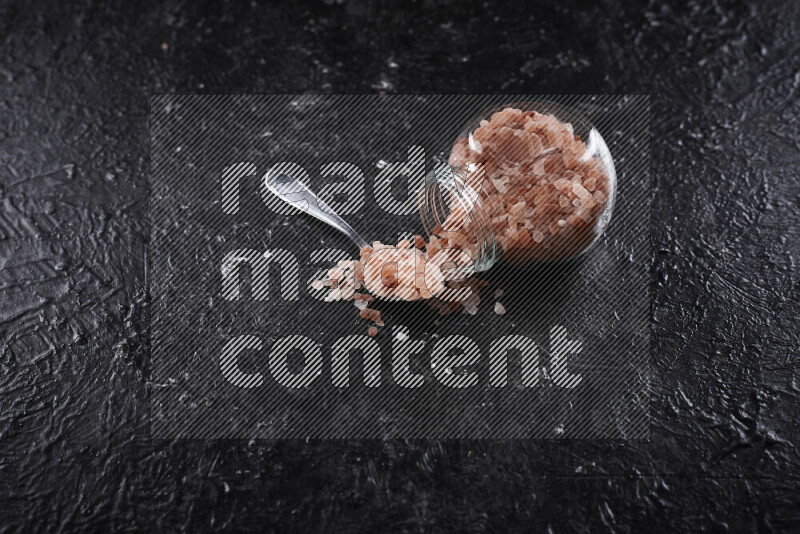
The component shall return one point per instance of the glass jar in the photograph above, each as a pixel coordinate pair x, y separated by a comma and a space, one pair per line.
527, 182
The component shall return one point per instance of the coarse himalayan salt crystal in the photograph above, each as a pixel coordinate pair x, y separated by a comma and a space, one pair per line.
533, 156
499, 309
372, 331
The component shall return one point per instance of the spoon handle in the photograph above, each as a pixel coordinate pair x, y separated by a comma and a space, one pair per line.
295, 193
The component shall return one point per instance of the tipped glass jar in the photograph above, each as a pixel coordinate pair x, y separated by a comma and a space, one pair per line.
527, 183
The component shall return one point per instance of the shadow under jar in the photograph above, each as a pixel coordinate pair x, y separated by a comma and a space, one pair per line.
527, 183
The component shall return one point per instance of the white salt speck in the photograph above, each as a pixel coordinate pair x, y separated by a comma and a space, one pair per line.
559, 430
360, 304
475, 145
401, 336
500, 186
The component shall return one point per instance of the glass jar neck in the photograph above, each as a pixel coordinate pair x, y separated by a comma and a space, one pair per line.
450, 207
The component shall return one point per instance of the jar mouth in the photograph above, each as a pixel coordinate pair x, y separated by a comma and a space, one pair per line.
446, 189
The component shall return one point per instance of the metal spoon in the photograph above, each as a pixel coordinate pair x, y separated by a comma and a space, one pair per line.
295, 193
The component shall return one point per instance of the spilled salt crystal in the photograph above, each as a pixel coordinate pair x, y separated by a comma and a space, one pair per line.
499, 309
498, 293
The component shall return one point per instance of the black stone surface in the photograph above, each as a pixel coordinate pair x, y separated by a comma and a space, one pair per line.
76, 77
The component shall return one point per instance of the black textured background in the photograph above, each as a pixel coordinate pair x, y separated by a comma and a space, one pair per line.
75, 81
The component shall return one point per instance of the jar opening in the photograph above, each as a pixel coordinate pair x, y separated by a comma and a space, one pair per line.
450, 207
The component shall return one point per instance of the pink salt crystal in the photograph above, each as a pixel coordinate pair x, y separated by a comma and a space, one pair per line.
517, 209
370, 315
589, 184
563, 185
456, 239
537, 236
499, 309
372, 331
581, 191
554, 163
500, 186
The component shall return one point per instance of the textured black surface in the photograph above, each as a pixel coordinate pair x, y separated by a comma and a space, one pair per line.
724, 80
